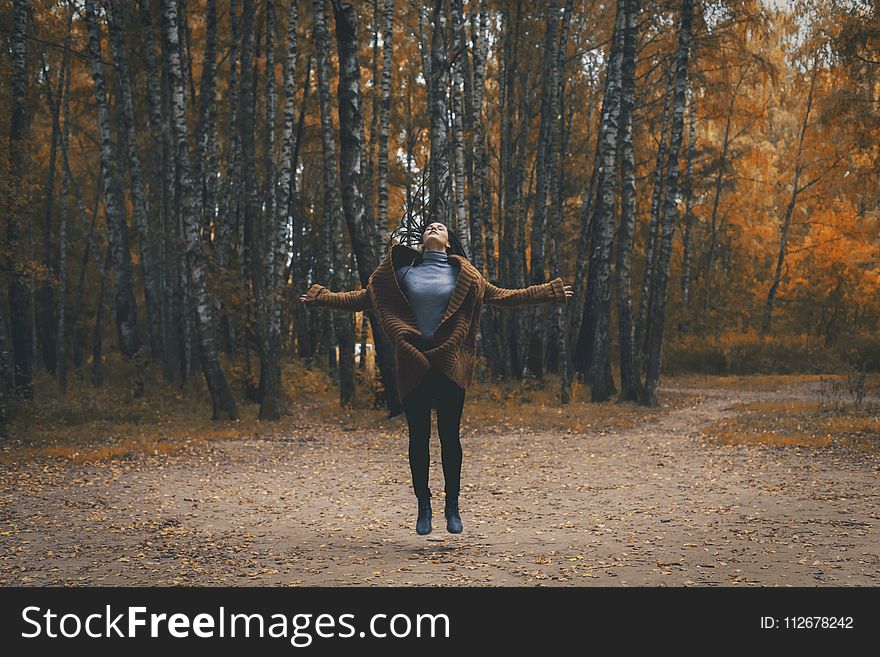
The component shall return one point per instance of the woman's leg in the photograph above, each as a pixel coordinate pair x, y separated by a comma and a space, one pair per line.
417, 406
450, 402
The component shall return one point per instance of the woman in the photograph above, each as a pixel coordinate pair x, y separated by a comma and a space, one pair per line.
428, 304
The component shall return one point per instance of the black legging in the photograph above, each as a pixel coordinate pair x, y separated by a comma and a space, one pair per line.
417, 405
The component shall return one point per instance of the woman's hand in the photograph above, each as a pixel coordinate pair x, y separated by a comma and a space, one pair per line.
568, 292
302, 298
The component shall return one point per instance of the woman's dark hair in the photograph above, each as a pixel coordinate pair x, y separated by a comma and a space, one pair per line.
417, 216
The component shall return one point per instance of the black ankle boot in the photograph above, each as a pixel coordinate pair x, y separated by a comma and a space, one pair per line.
423, 523
453, 519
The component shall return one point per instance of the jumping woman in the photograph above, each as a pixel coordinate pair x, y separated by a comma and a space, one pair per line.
428, 302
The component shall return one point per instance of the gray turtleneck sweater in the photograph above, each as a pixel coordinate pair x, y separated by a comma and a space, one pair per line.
428, 287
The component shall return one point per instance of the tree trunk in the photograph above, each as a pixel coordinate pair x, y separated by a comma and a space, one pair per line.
384, 114
47, 322
206, 136
688, 215
713, 222
230, 211
5, 373
440, 183
581, 308
160, 181
114, 204
19, 291
654, 222
544, 165
599, 285
270, 368
334, 234
480, 208
459, 57
221, 397
91, 250
670, 211
271, 247
361, 230
98, 343
136, 177
249, 224
479, 196
544, 157
369, 157
61, 349
789, 210
299, 265
630, 384
558, 335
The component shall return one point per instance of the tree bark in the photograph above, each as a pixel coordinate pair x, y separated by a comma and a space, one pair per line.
480, 209
670, 211
221, 397
271, 247
61, 350
136, 178
98, 342
270, 369
230, 211
545, 156
558, 333
47, 322
19, 291
719, 183
160, 182
459, 57
361, 230
688, 214
654, 223
789, 210
384, 114
114, 205
537, 323
440, 183
334, 234
599, 285
207, 169
630, 383
248, 237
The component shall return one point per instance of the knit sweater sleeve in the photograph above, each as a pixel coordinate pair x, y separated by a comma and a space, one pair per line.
319, 295
539, 293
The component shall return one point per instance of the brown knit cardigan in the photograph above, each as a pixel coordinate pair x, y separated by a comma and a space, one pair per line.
454, 345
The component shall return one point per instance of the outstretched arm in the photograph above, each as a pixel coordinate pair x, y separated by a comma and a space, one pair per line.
554, 291
319, 295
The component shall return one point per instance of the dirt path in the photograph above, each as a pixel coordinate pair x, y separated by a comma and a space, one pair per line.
655, 505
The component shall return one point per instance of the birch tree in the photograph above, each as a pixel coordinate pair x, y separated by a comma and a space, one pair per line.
19, 291
196, 264
599, 285
114, 204
796, 189
333, 232
630, 384
152, 291
440, 183
384, 113
670, 209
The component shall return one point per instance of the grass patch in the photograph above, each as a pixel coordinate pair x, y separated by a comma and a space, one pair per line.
798, 423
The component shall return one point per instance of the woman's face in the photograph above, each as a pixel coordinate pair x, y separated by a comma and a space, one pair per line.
435, 237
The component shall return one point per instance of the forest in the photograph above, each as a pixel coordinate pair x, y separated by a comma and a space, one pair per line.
177, 172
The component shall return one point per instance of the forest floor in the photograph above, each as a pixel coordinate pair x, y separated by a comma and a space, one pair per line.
736, 481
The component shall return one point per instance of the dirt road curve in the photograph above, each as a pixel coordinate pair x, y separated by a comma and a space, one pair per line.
655, 505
